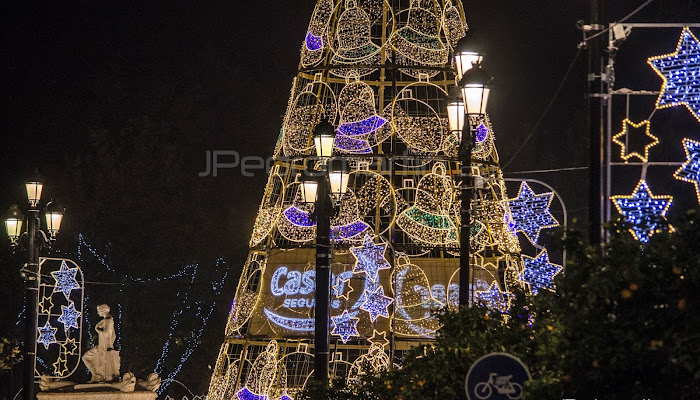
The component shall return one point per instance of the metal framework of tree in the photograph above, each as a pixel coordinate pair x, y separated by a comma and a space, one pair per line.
380, 71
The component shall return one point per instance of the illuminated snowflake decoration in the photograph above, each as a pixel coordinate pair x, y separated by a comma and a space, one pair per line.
47, 335
376, 303
681, 74
690, 170
345, 326
65, 280
643, 210
494, 298
630, 128
531, 213
69, 316
539, 273
370, 258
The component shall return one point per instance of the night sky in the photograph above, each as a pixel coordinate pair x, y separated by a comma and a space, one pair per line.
70, 66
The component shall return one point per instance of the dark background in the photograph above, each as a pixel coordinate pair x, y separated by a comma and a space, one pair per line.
116, 103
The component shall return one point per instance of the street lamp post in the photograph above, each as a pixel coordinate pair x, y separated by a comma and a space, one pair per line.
319, 192
464, 116
34, 239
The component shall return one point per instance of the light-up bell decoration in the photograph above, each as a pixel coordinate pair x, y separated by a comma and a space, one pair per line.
312, 49
353, 41
415, 300
429, 220
359, 119
418, 43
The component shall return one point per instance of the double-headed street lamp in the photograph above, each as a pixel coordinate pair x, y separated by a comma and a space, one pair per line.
332, 181
474, 85
32, 240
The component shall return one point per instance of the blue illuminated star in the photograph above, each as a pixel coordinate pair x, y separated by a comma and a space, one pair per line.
370, 258
47, 335
539, 273
690, 170
643, 210
345, 326
65, 280
69, 316
376, 303
681, 74
494, 298
530, 212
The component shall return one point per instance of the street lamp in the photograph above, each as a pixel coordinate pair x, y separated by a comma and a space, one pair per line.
475, 86
33, 240
330, 182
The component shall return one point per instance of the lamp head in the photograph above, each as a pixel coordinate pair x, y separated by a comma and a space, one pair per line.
324, 136
476, 85
13, 223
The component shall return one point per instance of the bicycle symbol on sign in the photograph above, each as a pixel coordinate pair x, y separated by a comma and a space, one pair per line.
502, 384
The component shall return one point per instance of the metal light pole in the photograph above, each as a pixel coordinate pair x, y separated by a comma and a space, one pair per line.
465, 116
318, 191
596, 92
35, 240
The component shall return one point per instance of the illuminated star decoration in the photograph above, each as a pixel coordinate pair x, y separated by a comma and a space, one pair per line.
690, 170
46, 305
370, 258
345, 326
643, 210
47, 335
60, 367
65, 280
681, 74
343, 289
539, 273
530, 212
379, 338
376, 303
630, 128
69, 316
494, 298
69, 346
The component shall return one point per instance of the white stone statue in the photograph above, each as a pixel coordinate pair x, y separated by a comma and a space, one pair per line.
102, 360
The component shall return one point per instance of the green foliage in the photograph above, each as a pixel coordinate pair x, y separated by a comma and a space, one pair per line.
621, 325
9, 353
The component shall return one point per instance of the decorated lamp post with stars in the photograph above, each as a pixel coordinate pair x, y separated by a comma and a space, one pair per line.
319, 191
466, 116
32, 241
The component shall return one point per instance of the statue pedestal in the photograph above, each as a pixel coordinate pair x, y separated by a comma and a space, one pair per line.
98, 395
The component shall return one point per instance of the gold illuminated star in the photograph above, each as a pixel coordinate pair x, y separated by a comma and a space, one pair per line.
379, 338
639, 130
70, 347
340, 290
60, 367
46, 305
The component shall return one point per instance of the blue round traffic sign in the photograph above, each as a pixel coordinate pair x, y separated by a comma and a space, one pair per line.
496, 376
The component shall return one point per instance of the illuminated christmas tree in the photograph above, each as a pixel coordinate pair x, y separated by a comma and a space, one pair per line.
380, 72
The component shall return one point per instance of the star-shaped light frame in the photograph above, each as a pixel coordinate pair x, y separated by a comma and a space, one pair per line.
680, 72
530, 212
370, 258
376, 303
65, 280
690, 170
645, 211
626, 124
539, 273
47, 335
379, 338
69, 316
70, 346
46, 304
340, 285
345, 326
60, 367
494, 298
